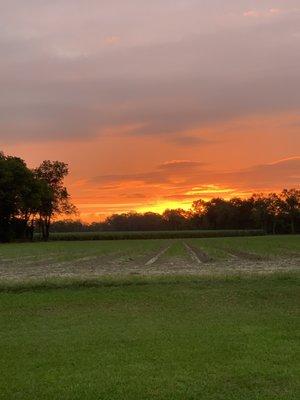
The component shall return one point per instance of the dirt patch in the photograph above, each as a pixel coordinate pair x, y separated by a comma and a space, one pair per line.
160, 262
200, 254
243, 255
295, 255
192, 254
157, 256
172, 266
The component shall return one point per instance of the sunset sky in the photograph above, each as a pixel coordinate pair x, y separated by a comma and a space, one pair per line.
153, 104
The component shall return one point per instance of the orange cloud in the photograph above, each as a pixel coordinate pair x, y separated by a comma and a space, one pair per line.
264, 13
112, 40
252, 13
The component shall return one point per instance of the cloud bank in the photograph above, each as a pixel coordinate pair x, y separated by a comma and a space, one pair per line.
72, 70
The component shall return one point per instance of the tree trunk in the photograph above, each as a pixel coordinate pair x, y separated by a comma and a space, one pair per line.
31, 230
42, 225
274, 228
47, 228
293, 226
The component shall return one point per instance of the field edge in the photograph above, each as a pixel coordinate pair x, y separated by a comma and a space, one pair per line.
14, 286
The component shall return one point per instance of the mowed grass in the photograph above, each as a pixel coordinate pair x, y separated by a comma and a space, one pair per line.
159, 338
268, 246
67, 251
281, 245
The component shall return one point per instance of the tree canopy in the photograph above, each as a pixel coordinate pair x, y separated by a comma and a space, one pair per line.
30, 198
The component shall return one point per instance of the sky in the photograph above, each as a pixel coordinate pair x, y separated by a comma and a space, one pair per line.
153, 104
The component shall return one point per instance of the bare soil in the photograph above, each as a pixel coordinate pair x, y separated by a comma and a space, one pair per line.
146, 264
246, 256
200, 254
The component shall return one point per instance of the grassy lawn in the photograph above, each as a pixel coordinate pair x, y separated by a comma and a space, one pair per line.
171, 338
68, 251
271, 246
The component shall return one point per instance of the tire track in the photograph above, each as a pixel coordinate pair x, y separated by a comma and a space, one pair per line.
243, 255
193, 254
157, 256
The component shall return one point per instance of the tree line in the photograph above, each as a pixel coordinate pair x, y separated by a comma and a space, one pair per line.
32, 199
273, 213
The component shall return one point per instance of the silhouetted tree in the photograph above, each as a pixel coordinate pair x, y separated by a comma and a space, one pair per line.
18, 197
176, 219
274, 206
260, 211
55, 198
291, 206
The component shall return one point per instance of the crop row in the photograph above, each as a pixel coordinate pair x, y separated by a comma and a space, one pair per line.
150, 234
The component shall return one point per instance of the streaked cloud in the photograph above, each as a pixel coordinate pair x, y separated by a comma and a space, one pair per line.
252, 13
179, 165
192, 174
263, 13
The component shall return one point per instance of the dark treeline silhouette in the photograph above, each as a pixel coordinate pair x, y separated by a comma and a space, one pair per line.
30, 198
273, 213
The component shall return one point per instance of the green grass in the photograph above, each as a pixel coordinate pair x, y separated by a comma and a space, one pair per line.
67, 251
270, 246
134, 337
154, 338
176, 249
216, 247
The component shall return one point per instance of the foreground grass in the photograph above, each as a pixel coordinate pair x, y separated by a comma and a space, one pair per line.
171, 338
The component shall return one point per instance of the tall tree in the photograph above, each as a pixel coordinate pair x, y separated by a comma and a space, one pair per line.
55, 198
291, 205
16, 197
275, 207
176, 219
260, 210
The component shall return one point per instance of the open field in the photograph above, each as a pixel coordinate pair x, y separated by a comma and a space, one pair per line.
157, 338
149, 257
210, 318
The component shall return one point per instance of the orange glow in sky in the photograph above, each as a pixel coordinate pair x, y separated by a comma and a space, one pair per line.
120, 173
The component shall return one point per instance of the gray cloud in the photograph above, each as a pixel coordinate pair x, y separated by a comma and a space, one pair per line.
61, 77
